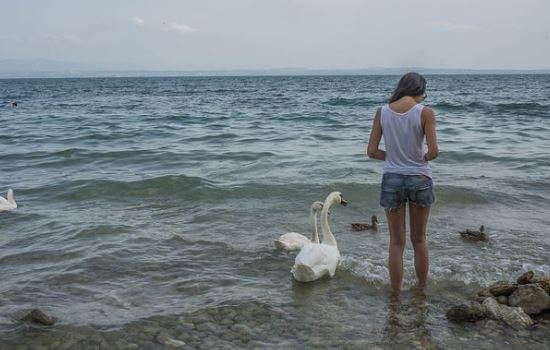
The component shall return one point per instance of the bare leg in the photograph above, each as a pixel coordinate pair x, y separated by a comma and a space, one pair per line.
418, 221
396, 223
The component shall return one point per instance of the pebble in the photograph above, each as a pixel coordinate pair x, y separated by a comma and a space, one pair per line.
226, 322
205, 327
150, 329
165, 340
241, 329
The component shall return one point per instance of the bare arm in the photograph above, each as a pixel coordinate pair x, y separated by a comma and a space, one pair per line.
428, 118
374, 140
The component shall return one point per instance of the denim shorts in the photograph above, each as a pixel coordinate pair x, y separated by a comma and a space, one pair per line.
397, 189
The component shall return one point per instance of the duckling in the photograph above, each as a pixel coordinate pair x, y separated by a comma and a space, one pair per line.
357, 226
475, 236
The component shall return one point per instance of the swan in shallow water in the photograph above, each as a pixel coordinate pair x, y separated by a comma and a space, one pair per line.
295, 241
9, 203
316, 260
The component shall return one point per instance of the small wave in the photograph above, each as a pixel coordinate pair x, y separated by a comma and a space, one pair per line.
524, 108
521, 106
102, 230
169, 185
359, 101
212, 137
447, 106
457, 195
454, 157
245, 156
77, 156
324, 137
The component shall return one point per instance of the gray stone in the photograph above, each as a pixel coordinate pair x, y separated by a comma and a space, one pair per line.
205, 327
226, 322
531, 298
482, 294
121, 344
67, 344
502, 299
150, 329
512, 316
37, 316
164, 339
241, 329
526, 277
543, 282
40, 347
502, 288
466, 312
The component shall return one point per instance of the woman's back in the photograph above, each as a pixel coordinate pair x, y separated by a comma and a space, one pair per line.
404, 139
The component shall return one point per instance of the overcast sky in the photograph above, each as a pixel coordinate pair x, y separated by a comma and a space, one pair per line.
259, 34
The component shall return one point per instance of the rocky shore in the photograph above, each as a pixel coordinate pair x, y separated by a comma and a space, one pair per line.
520, 304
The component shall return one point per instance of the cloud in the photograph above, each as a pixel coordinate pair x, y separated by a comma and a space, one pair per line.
138, 21
453, 27
182, 28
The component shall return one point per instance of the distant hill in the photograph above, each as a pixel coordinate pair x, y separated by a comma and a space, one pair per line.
11, 68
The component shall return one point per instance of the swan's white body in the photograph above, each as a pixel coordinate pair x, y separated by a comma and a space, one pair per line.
8, 203
316, 260
295, 241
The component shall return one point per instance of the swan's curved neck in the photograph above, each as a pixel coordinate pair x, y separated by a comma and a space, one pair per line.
328, 237
10, 197
313, 220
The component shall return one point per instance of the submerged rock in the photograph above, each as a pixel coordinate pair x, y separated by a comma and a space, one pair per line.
512, 316
544, 283
482, 294
37, 316
502, 288
502, 299
164, 339
526, 277
531, 298
466, 312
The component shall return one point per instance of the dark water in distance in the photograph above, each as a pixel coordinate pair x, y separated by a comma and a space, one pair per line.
154, 202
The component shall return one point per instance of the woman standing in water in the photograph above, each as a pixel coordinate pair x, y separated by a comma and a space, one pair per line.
407, 176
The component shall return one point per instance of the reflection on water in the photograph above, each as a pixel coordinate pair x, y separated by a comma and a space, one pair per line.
405, 326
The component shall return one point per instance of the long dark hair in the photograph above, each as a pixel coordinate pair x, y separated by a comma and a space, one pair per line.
411, 84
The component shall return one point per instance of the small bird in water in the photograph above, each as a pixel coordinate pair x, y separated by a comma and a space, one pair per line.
475, 236
357, 226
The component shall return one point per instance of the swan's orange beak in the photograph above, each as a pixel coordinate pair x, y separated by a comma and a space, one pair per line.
343, 201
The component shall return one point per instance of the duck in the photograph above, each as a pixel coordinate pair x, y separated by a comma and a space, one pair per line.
295, 241
8, 203
475, 236
359, 226
317, 260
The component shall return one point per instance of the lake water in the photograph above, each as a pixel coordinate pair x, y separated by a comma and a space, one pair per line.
148, 206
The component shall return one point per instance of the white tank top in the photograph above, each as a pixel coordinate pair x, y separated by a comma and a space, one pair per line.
404, 142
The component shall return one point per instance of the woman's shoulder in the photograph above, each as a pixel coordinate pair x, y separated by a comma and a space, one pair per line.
427, 112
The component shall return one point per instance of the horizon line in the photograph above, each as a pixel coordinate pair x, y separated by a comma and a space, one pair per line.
289, 71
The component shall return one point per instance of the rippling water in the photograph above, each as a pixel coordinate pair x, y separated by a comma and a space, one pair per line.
153, 202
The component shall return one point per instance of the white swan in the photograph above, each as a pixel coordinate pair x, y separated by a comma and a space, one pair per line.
316, 260
295, 241
9, 203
